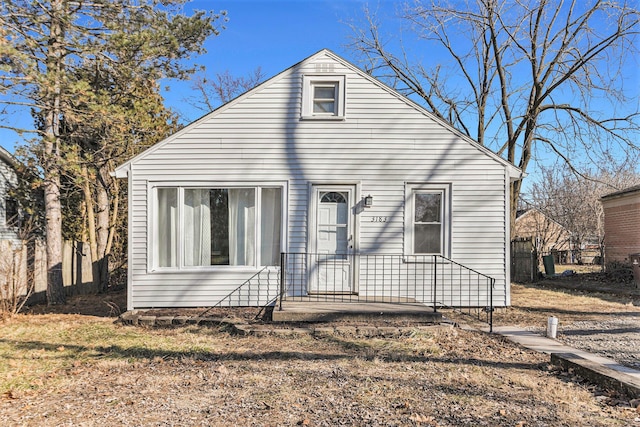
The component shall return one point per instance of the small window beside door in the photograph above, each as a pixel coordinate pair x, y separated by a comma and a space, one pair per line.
323, 97
427, 220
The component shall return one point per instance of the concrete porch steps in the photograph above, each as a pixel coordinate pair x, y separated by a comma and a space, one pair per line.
329, 311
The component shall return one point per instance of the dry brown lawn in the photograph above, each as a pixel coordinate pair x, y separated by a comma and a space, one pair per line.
532, 304
77, 369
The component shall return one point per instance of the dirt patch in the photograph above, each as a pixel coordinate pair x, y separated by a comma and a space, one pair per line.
68, 369
108, 304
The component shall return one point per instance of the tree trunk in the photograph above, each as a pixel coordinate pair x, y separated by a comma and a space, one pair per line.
55, 286
514, 195
91, 221
102, 228
96, 271
114, 213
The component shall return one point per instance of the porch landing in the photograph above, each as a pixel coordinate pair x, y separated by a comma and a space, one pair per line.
330, 311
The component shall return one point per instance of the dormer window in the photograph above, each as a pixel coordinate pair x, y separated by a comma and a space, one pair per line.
323, 97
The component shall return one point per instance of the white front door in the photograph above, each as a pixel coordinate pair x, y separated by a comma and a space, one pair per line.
332, 239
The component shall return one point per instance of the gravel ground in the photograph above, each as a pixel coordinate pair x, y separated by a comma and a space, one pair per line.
617, 338
595, 314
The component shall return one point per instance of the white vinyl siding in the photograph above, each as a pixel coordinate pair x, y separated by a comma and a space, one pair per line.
8, 206
385, 144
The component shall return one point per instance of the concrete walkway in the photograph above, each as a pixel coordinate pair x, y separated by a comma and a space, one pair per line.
602, 370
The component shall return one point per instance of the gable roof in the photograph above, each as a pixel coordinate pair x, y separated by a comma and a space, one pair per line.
7, 157
521, 215
621, 193
514, 172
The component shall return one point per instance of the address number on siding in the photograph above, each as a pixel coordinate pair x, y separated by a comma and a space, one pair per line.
379, 218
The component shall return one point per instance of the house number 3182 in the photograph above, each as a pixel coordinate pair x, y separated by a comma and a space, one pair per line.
379, 218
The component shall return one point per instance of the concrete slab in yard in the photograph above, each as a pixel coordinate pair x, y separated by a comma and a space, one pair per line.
314, 311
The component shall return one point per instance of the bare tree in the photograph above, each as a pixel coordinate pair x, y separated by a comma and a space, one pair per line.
17, 261
221, 89
518, 76
574, 201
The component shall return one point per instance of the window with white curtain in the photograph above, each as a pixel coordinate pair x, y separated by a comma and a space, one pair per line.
218, 226
166, 226
271, 225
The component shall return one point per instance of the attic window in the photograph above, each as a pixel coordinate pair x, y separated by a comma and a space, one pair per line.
323, 97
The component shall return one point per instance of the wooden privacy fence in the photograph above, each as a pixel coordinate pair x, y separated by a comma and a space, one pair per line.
524, 260
23, 269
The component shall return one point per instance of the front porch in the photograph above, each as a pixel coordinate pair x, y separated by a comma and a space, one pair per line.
312, 309
390, 287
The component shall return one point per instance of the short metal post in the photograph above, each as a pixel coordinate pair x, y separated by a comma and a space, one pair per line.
491, 283
435, 282
282, 279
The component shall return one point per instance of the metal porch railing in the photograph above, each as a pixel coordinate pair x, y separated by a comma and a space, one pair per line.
432, 280
260, 290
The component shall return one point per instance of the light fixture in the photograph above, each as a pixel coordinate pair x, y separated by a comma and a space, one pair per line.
368, 201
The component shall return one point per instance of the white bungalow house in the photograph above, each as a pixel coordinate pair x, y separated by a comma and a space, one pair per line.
321, 181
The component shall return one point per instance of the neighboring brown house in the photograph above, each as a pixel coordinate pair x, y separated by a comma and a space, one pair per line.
621, 224
548, 235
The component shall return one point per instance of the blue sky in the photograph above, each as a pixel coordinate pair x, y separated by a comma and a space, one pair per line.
275, 34
271, 34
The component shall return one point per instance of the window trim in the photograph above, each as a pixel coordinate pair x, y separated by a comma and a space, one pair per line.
308, 84
152, 223
446, 219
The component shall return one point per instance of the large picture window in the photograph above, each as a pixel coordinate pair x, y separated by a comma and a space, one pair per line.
427, 225
198, 227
